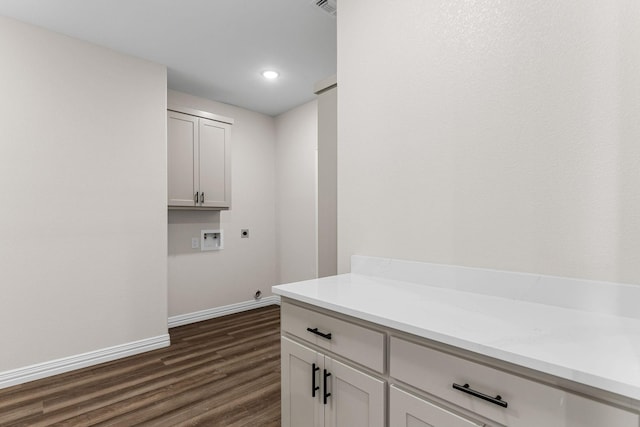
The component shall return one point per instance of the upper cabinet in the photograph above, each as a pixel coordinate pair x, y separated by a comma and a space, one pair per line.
198, 159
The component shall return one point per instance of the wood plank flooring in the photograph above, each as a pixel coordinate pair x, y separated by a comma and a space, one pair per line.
220, 372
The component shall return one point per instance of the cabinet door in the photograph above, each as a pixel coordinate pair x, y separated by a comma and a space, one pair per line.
357, 399
182, 137
214, 164
299, 407
406, 410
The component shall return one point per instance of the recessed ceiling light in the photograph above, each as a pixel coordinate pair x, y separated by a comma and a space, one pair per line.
270, 74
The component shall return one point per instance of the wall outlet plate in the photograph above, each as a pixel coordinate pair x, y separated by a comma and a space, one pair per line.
211, 240
195, 243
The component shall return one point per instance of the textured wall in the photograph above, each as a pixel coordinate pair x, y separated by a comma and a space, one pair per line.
498, 134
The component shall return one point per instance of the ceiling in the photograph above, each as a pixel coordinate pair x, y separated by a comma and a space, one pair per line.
215, 49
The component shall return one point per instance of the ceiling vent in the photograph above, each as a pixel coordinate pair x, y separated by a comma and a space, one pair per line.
328, 6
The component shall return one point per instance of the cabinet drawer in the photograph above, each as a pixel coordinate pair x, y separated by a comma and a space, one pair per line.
354, 342
410, 411
529, 403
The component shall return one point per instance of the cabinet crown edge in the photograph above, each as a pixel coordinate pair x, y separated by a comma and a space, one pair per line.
198, 113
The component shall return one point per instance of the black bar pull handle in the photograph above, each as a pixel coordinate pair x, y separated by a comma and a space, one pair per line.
315, 331
326, 395
314, 387
195, 198
202, 197
495, 400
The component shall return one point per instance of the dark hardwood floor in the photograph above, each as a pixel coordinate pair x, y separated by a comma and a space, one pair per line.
220, 372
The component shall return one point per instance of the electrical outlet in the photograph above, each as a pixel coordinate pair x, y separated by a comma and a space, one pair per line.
195, 243
244, 233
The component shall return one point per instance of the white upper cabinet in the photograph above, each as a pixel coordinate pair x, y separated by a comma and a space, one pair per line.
198, 160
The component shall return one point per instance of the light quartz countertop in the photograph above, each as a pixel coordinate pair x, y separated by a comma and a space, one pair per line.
598, 349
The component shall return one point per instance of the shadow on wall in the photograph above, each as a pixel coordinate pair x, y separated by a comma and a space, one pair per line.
186, 225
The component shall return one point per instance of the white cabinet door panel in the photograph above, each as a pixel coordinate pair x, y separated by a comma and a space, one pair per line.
212, 163
182, 134
299, 407
407, 410
357, 399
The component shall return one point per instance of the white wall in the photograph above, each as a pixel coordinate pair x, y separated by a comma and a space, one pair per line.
296, 166
328, 180
273, 195
83, 187
491, 134
206, 280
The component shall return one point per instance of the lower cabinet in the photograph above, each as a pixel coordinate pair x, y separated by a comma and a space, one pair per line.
318, 390
494, 394
426, 386
407, 410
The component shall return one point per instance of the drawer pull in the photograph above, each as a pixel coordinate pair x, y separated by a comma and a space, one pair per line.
495, 400
314, 387
326, 395
315, 331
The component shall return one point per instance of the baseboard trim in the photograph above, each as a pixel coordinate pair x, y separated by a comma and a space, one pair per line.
66, 364
199, 316
71, 363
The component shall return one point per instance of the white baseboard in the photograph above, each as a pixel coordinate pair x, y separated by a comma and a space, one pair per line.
198, 316
66, 364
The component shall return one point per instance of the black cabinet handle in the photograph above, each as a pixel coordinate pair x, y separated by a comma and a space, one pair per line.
314, 387
326, 375
495, 400
315, 331
195, 198
202, 197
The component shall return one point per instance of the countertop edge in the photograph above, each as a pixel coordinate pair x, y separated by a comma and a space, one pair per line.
591, 380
